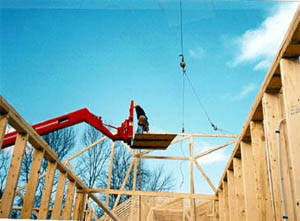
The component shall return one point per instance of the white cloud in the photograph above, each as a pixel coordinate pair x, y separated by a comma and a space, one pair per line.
245, 90
197, 53
261, 44
217, 156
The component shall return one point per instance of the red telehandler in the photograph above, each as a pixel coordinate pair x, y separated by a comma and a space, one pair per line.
124, 132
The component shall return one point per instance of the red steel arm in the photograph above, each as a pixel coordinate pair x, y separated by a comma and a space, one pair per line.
124, 132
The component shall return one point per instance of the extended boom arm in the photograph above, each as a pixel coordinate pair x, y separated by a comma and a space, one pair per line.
124, 132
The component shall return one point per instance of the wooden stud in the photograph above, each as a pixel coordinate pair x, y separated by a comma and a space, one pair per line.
69, 201
13, 176
192, 190
112, 153
239, 189
3, 124
59, 196
231, 196
79, 206
226, 203
249, 182
32, 184
43, 212
221, 204
263, 194
272, 117
290, 69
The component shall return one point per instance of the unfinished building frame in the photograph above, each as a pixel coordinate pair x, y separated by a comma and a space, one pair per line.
260, 182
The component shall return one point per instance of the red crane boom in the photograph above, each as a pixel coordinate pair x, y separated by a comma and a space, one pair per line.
124, 132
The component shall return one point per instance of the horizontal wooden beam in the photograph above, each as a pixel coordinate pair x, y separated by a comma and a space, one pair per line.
165, 158
156, 194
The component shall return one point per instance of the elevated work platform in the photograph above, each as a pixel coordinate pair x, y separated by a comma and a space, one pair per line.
153, 141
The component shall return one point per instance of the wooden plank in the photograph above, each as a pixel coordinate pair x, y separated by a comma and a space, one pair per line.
290, 70
192, 188
286, 41
231, 196
79, 206
154, 137
66, 214
32, 184
112, 153
249, 182
153, 145
13, 176
44, 205
226, 203
214, 149
3, 123
205, 176
124, 183
263, 192
85, 149
239, 189
153, 194
165, 158
221, 204
59, 196
273, 115
292, 51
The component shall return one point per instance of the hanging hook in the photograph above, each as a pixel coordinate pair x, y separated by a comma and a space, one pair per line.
182, 63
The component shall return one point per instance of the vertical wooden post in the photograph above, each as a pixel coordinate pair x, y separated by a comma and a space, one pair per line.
110, 171
263, 194
79, 206
216, 211
192, 190
32, 184
231, 196
239, 188
290, 70
44, 205
226, 205
3, 123
221, 204
272, 117
69, 201
249, 182
13, 176
59, 196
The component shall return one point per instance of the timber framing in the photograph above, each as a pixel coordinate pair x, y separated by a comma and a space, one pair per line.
266, 155
260, 181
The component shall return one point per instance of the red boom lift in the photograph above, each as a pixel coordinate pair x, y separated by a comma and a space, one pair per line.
124, 132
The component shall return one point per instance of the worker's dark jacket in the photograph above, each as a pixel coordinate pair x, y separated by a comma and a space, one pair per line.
139, 112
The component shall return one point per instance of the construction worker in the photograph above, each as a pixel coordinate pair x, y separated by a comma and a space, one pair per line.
143, 124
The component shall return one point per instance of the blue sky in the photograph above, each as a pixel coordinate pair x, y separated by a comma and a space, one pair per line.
59, 56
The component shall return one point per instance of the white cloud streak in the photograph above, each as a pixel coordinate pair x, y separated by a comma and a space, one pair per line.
197, 52
261, 44
214, 157
244, 92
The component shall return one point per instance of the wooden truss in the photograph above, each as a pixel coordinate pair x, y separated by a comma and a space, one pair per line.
77, 188
260, 182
